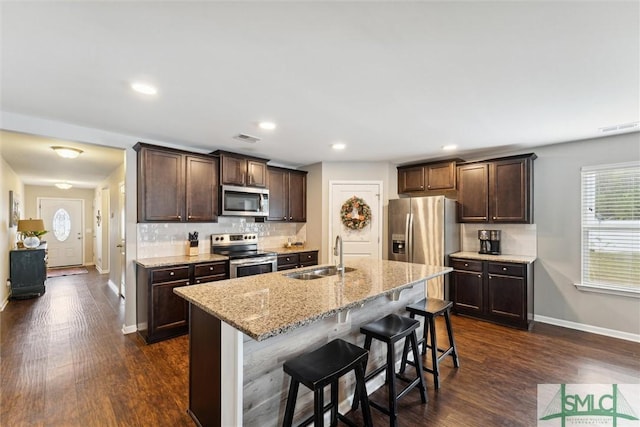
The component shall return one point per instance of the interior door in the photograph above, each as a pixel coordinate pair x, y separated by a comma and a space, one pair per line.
365, 242
121, 239
65, 240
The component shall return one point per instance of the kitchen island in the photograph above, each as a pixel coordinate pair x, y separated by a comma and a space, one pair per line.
243, 330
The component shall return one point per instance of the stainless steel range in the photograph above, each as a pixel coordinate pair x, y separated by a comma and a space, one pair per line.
244, 257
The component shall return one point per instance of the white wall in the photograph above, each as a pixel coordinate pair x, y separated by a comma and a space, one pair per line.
9, 182
557, 216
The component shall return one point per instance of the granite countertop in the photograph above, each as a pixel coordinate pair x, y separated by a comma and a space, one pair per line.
181, 259
270, 304
523, 259
292, 250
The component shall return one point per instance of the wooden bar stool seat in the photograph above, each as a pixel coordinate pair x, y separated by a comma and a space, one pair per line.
430, 308
391, 329
323, 367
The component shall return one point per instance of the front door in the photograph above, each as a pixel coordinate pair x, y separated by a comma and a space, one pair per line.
63, 221
357, 242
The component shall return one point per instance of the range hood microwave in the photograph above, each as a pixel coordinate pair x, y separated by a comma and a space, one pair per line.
244, 201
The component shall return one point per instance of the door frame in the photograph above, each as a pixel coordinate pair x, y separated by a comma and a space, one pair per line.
82, 215
380, 185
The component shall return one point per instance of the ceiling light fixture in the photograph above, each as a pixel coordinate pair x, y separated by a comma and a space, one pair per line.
449, 147
63, 185
67, 152
339, 146
267, 125
144, 88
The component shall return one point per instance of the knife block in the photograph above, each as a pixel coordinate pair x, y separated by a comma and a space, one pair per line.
192, 250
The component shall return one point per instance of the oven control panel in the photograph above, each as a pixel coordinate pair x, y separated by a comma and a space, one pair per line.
226, 239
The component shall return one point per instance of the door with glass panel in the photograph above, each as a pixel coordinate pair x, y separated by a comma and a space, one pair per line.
63, 221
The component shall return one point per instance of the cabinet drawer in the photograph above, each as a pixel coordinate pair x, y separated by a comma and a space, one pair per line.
210, 269
286, 262
466, 264
508, 269
169, 274
308, 258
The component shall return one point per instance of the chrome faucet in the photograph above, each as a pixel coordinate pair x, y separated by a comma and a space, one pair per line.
338, 248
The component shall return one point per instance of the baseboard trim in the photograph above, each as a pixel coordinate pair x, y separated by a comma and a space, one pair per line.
128, 329
588, 328
113, 287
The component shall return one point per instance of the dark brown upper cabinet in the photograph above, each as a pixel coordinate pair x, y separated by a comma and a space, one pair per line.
176, 186
287, 194
427, 177
497, 190
236, 169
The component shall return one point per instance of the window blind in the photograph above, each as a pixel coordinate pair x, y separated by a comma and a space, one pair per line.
611, 226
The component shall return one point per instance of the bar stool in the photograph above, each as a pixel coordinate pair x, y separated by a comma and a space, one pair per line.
320, 368
430, 308
391, 329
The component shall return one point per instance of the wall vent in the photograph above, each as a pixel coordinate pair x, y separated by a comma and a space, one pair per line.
625, 127
246, 138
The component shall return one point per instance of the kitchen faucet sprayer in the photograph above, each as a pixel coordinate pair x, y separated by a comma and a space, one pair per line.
338, 248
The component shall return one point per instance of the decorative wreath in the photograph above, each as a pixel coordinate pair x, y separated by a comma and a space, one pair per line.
355, 213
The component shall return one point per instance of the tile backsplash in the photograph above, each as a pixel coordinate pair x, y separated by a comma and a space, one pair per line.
170, 239
515, 239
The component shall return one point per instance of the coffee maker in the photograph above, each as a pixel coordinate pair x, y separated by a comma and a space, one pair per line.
489, 242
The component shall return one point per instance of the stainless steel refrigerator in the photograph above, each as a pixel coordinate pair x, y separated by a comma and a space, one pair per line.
423, 230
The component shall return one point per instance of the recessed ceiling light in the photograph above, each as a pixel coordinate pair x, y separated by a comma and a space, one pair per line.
67, 152
267, 125
63, 185
144, 88
339, 146
449, 147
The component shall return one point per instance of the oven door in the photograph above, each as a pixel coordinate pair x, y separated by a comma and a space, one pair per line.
251, 266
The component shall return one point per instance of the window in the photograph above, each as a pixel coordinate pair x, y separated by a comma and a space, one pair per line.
61, 225
611, 229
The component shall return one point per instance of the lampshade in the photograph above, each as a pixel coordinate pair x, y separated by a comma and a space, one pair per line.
67, 152
26, 225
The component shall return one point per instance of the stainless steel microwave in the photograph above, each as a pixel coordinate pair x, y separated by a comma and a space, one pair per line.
244, 201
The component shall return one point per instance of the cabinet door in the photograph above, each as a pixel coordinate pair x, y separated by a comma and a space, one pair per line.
160, 185
411, 179
441, 176
233, 169
202, 189
506, 297
473, 181
256, 174
308, 259
297, 196
170, 312
467, 292
278, 181
509, 194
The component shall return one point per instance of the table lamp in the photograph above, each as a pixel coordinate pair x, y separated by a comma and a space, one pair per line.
31, 229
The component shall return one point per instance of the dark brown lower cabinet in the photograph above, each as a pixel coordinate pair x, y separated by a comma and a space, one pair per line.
501, 292
297, 260
160, 313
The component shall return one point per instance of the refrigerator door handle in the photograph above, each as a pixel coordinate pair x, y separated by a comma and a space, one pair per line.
409, 237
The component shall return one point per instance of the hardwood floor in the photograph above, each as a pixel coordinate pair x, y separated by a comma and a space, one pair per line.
65, 362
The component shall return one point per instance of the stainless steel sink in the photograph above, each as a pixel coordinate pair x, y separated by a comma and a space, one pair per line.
317, 273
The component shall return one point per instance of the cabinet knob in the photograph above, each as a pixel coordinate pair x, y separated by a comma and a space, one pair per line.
197, 281
466, 265
284, 217
211, 268
179, 216
494, 217
480, 275
428, 186
288, 259
171, 273
422, 187
504, 268
189, 217
484, 217
290, 218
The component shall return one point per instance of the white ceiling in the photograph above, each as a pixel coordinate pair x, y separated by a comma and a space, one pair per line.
395, 81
